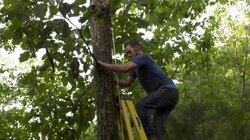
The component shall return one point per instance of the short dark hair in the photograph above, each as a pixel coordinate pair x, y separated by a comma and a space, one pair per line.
133, 43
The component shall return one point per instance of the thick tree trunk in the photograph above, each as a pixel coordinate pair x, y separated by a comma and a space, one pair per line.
101, 37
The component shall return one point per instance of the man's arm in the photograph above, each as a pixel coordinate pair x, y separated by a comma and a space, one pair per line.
119, 67
123, 83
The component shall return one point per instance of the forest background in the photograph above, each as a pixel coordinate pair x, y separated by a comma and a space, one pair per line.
203, 45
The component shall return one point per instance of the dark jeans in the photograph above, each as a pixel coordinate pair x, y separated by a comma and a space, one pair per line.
162, 101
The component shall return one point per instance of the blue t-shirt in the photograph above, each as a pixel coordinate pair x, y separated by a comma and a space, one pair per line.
150, 75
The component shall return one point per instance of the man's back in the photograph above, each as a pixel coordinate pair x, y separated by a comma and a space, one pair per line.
150, 75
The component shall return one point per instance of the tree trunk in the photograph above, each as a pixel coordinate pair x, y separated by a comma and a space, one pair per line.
101, 38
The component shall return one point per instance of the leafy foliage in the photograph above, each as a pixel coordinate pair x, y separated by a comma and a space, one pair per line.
213, 78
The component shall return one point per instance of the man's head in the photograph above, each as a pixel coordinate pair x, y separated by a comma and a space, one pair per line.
132, 48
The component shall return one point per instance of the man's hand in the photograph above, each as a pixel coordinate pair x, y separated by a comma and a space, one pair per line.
123, 83
100, 63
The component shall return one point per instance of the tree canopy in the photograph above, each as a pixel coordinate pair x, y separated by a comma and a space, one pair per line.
202, 44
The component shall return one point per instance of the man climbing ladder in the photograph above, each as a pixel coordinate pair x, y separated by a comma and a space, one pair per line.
162, 93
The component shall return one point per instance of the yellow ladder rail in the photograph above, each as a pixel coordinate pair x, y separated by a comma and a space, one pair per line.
128, 111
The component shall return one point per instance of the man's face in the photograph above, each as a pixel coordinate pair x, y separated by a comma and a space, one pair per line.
131, 51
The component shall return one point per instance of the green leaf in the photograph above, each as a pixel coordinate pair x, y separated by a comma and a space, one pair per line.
69, 43
64, 9
24, 56
223, 1
44, 67
40, 10
114, 3
142, 23
61, 26
17, 36
86, 15
53, 10
152, 18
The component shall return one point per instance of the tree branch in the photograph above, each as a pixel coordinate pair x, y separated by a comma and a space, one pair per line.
50, 58
87, 49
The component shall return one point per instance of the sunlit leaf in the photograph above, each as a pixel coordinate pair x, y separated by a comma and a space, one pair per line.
24, 56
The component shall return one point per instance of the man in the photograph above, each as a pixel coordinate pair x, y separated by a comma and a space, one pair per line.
162, 93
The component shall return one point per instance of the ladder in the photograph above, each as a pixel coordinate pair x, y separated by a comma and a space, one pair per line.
128, 112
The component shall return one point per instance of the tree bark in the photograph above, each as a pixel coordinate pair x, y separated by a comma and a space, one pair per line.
101, 38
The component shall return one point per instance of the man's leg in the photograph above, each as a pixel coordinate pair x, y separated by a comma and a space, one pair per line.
145, 118
161, 114
159, 122
156, 100
163, 98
